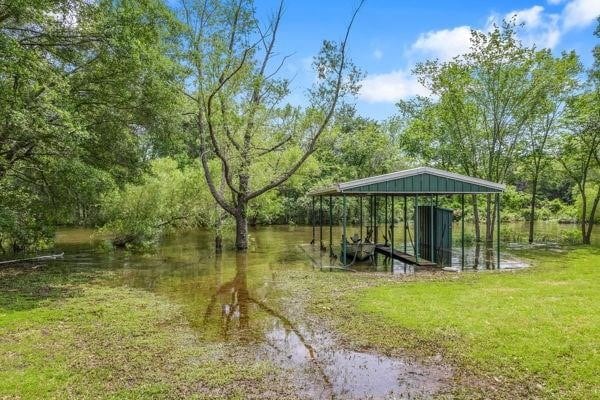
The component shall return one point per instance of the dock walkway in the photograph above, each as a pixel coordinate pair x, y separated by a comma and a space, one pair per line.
404, 257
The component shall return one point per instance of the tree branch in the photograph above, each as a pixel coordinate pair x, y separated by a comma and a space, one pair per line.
311, 146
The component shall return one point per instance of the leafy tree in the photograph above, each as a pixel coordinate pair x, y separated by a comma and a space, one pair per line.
83, 87
579, 147
239, 98
484, 101
561, 79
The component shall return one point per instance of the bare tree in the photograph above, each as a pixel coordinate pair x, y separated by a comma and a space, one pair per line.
243, 118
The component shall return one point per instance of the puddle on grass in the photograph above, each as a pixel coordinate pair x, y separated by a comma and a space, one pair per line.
324, 370
233, 298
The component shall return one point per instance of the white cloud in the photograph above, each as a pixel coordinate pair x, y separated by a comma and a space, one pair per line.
444, 44
390, 87
580, 13
531, 17
539, 28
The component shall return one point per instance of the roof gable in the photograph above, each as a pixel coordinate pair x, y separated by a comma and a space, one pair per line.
414, 181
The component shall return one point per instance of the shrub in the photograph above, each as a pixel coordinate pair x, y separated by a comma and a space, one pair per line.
168, 197
570, 236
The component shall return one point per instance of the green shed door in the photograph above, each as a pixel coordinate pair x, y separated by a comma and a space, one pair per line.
438, 229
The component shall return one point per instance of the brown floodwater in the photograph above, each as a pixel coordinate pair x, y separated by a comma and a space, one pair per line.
233, 298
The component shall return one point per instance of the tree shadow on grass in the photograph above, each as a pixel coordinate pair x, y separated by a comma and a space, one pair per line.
26, 286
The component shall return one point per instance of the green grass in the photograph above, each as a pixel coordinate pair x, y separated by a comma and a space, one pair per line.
69, 335
532, 333
540, 326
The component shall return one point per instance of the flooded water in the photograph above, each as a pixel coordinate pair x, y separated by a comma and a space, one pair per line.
233, 297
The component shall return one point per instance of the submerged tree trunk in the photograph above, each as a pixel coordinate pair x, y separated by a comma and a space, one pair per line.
476, 219
587, 233
241, 229
534, 185
218, 242
490, 217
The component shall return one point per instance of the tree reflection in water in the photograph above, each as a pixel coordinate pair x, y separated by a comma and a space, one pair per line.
235, 301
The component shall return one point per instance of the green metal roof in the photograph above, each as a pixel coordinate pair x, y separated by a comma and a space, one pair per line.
424, 180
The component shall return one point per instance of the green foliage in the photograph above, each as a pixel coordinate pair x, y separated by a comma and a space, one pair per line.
570, 236
167, 197
84, 88
590, 191
24, 224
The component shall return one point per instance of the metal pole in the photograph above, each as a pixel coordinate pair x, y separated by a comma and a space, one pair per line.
462, 230
498, 230
344, 226
360, 201
371, 213
416, 228
330, 226
385, 219
375, 219
431, 230
392, 238
405, 224
321, 222
312, 214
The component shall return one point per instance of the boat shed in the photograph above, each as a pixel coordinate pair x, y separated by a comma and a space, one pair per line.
419, 190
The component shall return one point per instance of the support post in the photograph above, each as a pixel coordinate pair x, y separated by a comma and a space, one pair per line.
344, 228
405, 224
416, 230
312, 215
360, 201
392, 238
371, 224
375, 219
321, 222
462, 231
330, 226
498, 231
431, 231
385, 218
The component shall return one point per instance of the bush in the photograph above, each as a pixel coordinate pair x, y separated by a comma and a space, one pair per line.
508, 234
168, 197
24, 223
570, 236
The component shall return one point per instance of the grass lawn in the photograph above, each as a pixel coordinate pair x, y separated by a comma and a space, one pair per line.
540, 326
523, 334
72, 335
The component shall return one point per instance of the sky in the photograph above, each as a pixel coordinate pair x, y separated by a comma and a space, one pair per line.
390, 36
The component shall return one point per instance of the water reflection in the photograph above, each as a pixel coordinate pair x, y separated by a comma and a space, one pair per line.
232, 297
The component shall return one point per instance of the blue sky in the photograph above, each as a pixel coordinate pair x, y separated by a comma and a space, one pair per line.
390, 36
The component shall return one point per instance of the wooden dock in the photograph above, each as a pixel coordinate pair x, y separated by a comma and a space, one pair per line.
401, 256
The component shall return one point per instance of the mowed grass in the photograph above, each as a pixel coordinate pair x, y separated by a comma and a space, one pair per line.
70, 335
541, 325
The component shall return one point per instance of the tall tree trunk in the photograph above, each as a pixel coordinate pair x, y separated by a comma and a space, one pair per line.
490, 217
584, 237
587, 239
476, 219
241, 227
534, 185
489, 221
